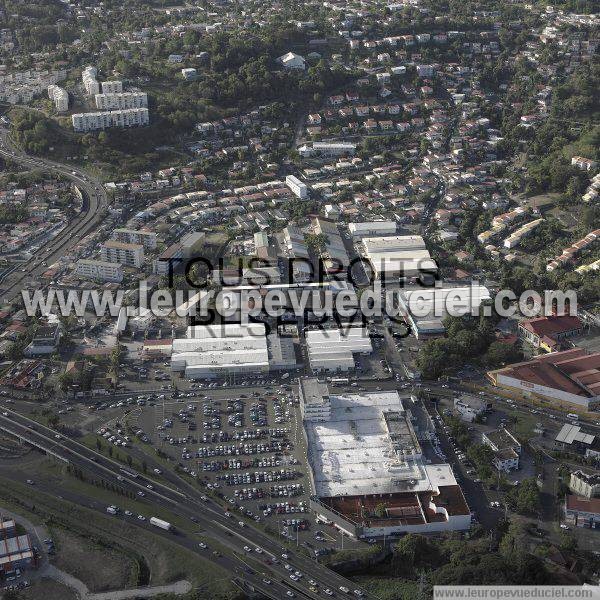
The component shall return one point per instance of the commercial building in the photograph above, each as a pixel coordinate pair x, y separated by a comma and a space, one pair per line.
582, 512
118, 101
568, 379
547, 333
16, 551
295, 245
367, 471
315, 404
425, 308
372, 228
573, 439
92, 121
99, 270
297, 188
112, 87
91, 85
333, 350
262, 247
212, 351
131, 255
398, 255
585, 485
334, 256
135, 236
506, 448
60, 97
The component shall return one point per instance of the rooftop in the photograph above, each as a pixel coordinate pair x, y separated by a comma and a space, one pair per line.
572, 371
368, 446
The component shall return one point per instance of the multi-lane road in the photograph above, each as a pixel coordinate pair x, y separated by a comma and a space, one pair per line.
95, 200
184, 499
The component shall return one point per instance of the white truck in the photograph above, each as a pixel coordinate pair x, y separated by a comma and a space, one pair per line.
160, 523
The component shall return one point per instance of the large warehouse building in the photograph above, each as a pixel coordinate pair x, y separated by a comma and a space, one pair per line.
426, 308
333, 350
367, 471
210, 351
569, 379
394, 256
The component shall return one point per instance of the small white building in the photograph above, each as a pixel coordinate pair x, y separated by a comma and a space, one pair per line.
292, 61
506, 448
297, 188
189, 74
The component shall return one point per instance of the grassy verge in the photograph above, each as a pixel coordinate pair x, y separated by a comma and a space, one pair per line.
165, 560
388, 588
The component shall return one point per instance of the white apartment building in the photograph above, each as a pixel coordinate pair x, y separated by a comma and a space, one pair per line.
60, 97
133, 236
112, 87
119, 101
297, 188
99, 270
91, 85
584, 484
131, 255
130, 117
326, 149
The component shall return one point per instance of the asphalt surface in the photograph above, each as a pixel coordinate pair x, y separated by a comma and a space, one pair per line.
186, 500
95, 200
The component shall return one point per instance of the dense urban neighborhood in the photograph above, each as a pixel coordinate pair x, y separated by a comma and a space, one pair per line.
299, 300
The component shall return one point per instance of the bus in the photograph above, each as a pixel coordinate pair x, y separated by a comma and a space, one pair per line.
340, 381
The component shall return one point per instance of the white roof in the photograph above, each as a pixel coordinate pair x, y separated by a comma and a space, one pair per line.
351, 453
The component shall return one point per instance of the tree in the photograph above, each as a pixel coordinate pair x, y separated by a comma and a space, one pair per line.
525, 497
380, 510
317, 242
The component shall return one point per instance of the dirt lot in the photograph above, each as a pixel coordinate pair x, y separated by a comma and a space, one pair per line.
47, 589
100, 568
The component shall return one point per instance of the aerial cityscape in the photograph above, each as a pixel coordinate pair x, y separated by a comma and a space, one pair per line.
299, 300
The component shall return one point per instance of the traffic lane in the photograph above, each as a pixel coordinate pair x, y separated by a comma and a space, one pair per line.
257, 538
474, 492
230, 564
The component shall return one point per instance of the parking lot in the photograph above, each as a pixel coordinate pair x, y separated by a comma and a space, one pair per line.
245, 444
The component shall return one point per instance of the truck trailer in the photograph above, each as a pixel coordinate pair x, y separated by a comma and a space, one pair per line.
161, 524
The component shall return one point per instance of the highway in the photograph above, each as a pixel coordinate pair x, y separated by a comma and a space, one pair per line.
95, 200
188, 503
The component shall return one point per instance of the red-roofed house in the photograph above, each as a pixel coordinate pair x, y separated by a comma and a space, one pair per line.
547, 333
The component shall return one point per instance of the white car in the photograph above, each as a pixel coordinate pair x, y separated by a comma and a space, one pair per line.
202, 545
563, 526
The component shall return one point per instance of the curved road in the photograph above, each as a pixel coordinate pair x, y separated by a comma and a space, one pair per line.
95, 200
